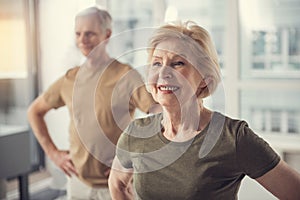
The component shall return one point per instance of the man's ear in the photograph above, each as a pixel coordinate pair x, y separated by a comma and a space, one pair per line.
108, 33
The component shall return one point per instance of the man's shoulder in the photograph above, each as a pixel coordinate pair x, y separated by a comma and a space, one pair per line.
120, 65
119, 69
72, 72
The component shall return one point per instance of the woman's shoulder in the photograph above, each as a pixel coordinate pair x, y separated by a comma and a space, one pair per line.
228, 121
146, 126
228, 126
149, 119
138, 132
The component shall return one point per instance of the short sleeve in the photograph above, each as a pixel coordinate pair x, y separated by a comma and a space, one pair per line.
123, 151
254, 155
141, 98
53, 94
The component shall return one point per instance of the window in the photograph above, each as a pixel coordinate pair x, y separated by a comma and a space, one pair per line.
269, 65
129, 15
274, 112
275, 51
270, 39
14, 64
134, 22
265, 56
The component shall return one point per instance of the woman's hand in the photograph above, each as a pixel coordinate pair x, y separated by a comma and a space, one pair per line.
120, 182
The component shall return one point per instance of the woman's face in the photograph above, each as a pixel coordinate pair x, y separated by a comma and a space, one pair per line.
172, 79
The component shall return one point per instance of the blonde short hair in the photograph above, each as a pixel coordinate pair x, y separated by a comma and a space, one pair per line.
200, 43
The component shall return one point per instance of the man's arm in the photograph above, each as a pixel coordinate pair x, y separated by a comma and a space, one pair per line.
120, 182
36, 112
282, 181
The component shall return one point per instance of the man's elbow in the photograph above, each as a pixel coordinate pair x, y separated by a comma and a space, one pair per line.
31, 112
37, 108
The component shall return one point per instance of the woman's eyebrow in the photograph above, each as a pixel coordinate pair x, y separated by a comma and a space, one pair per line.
182, 55
175, 56
156, 56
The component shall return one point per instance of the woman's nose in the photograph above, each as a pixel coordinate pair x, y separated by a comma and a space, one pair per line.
166, 72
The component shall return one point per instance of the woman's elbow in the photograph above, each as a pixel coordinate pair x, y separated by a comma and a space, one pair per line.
118, 189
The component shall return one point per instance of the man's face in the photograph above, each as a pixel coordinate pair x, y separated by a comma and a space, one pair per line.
89, 33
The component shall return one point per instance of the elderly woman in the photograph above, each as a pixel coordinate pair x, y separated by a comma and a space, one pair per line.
189, 151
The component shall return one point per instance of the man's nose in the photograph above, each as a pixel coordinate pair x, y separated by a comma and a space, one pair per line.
82, 38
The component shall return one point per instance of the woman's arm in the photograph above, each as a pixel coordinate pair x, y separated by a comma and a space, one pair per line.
120, 182
282, 181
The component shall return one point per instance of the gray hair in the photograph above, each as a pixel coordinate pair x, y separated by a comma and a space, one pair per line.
103, 16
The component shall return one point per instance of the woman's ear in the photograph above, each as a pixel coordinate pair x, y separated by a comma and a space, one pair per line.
205, 82
203, 89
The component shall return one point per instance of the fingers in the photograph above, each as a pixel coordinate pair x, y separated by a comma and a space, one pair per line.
64, 162
66, 172
72, 168
69, 169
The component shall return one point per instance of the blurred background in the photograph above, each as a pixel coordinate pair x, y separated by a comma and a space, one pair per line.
258, 43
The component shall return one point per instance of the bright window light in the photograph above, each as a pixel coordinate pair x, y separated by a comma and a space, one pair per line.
171, 14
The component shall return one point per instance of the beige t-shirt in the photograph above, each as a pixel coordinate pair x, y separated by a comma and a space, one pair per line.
116, 97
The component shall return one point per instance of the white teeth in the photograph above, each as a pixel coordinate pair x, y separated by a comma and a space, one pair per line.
168, 88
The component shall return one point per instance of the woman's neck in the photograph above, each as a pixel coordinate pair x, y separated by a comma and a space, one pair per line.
183, 123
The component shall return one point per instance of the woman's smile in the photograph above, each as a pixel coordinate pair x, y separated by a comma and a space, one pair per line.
167, 88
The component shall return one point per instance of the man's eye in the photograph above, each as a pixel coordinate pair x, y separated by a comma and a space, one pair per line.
89, 34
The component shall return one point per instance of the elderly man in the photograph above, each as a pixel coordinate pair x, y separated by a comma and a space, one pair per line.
88, 161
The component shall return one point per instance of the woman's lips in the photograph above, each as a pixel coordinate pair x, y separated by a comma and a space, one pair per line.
167, 88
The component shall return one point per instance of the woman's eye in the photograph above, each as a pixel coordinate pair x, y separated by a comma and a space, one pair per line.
177, 64
156, 64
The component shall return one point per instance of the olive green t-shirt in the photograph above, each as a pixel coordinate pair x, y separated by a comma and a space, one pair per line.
119, 90
209, 166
